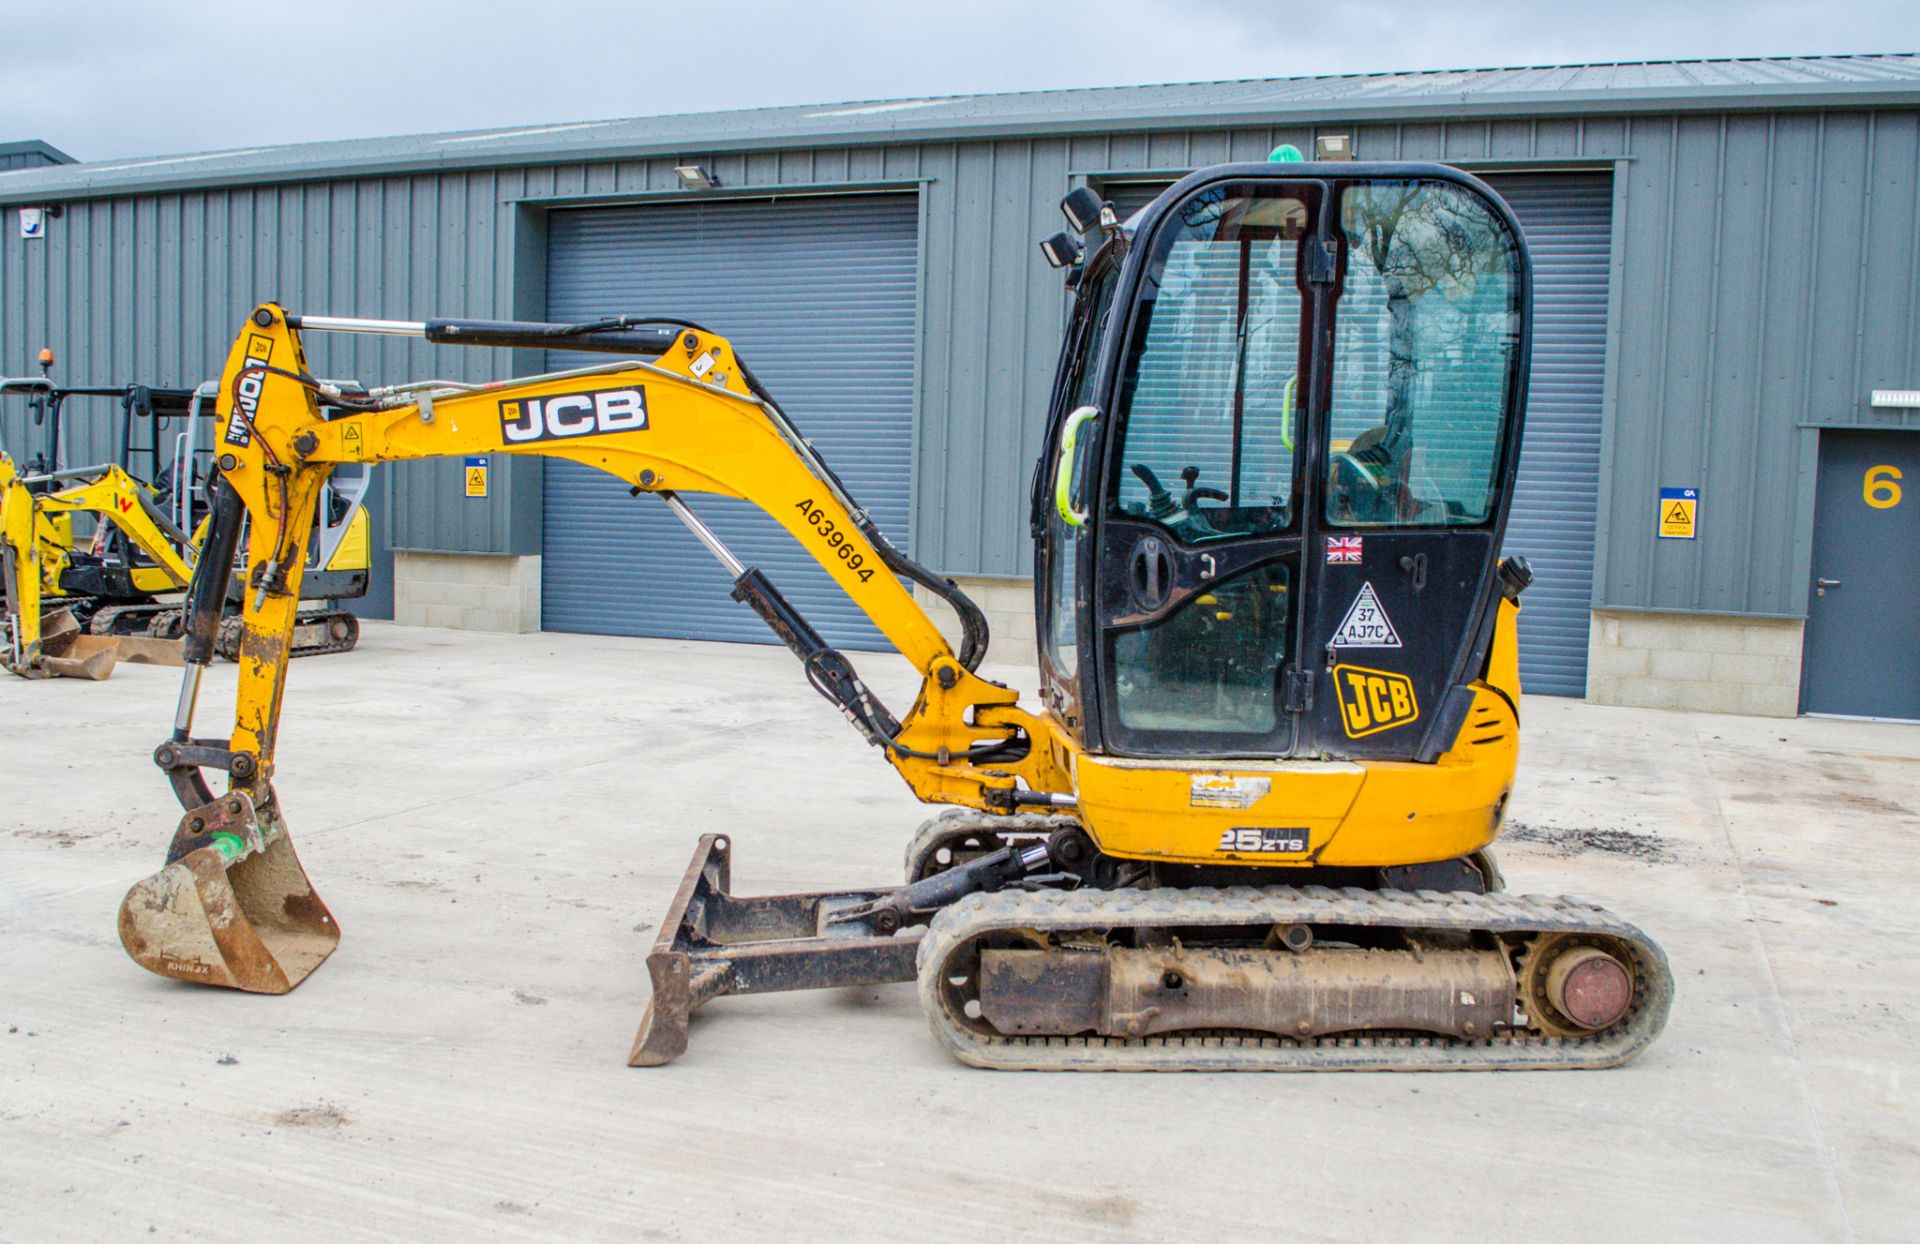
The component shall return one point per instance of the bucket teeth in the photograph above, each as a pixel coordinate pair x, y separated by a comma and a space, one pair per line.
232, 907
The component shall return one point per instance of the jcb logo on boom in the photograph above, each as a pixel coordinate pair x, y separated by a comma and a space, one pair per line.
1373, 700
562, 415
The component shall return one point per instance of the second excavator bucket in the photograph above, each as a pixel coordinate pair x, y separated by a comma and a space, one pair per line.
67, 652
232, 907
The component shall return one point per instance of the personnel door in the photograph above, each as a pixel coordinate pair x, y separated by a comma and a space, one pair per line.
1863, 617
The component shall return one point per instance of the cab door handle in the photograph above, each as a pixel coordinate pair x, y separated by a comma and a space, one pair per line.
1820, 586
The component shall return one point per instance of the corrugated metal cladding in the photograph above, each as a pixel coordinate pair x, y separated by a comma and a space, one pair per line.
1567, 218
1766, 278
818, 296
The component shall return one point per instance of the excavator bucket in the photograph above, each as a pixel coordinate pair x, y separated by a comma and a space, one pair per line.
67, 653
232, 907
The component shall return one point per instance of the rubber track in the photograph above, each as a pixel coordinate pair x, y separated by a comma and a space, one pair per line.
227, 643
157, 616
1049, 911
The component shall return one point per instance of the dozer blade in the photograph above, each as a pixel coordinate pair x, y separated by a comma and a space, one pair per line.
713, 943
232, 907
144, 650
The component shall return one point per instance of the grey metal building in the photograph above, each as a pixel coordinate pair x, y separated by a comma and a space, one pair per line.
1728, 256
31, 153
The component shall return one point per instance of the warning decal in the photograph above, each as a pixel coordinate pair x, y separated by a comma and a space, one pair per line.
1218, 790
1366, 624
476, 477
1679, 511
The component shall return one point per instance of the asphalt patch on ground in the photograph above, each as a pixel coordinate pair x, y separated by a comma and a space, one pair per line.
1569, 841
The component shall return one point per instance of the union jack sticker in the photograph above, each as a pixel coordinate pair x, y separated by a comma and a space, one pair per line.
1343, 550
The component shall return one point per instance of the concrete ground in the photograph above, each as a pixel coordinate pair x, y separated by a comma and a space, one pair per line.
498, 821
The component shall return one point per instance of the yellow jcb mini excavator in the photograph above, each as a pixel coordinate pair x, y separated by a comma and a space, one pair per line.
1246, 828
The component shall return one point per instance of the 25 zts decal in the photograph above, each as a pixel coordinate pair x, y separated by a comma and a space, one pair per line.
836, 539
1264, 841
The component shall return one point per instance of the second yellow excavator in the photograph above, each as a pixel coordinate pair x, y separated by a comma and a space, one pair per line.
1247, 825
73, 610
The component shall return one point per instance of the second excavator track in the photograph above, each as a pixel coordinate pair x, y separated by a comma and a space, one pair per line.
146, 621
1087, 919
316, 633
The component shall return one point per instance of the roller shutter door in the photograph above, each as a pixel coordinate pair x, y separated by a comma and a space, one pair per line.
818, 294
1568, 220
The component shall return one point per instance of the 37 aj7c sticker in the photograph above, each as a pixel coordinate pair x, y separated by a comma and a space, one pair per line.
558, 416
1366, 624
1373, 700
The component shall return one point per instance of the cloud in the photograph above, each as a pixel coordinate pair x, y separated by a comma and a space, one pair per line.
118, 78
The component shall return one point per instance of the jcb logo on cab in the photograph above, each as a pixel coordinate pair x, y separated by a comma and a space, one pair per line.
1373, 700
559, 415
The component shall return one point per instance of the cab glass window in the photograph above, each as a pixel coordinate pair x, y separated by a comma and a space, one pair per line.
1426, 330
1211, 396
1212, 665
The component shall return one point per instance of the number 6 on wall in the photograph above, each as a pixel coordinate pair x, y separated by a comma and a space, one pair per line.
1879, 489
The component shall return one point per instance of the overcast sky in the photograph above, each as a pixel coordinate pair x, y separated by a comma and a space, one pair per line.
102, 79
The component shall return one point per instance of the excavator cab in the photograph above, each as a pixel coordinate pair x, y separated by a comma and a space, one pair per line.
1282, 451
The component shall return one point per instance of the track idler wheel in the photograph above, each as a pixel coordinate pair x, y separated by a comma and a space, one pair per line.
1574, 985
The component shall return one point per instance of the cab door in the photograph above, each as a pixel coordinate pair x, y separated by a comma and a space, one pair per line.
1200, 536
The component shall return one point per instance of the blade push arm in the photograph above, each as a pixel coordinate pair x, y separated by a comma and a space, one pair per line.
687, 420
